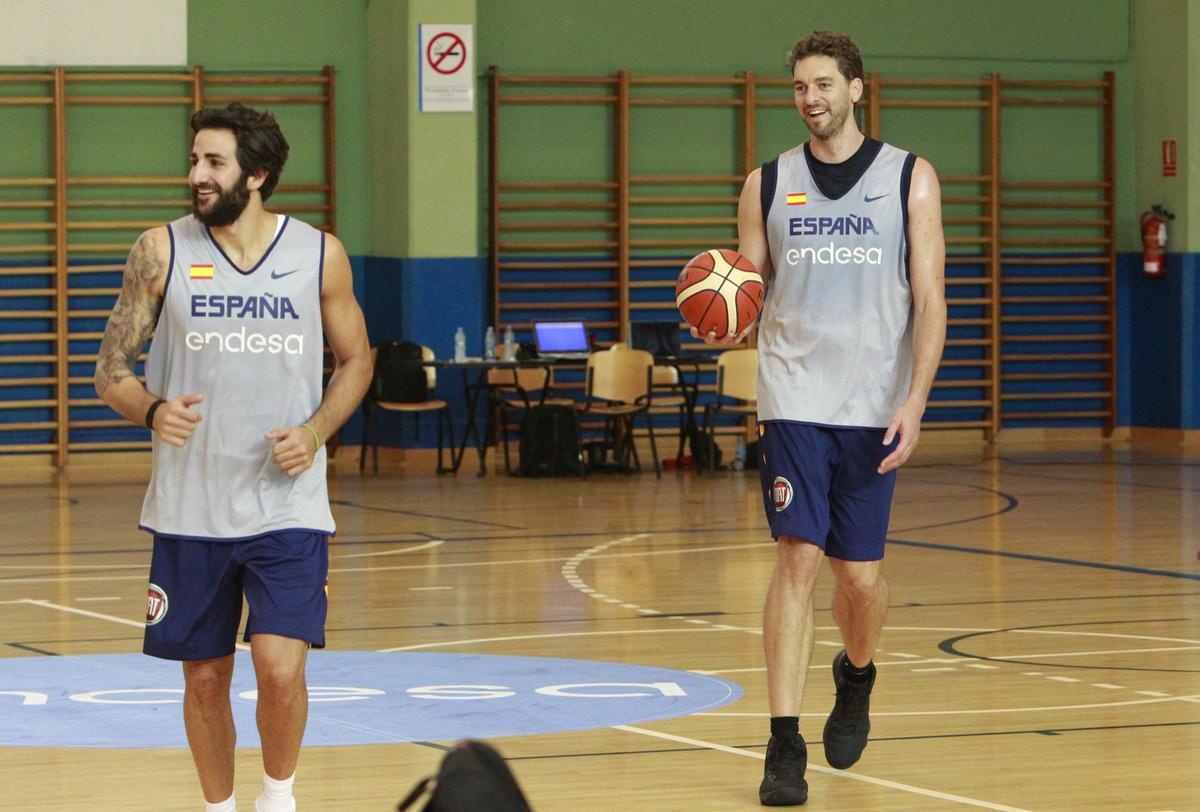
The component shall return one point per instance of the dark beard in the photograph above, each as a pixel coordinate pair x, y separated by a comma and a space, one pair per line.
228, 206
834, 123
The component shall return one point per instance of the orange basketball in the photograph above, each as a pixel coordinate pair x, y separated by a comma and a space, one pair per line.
719, 291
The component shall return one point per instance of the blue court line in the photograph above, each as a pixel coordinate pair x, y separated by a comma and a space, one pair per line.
1082, 481
346, 503
1049, 559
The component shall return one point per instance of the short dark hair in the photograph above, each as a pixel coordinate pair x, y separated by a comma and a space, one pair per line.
830, 43
260, 142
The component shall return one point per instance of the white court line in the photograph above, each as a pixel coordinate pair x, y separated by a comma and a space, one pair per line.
1105, 634
457, 564
1051, 655
562, 559
86, 613
968, 711
71, 566
401, 551
867, 779
825, 666
54, 579
98, 616
98, 600
444, 643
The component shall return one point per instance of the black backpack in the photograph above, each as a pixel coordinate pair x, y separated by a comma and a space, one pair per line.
703, 447
399, 374
550, 442
473, 777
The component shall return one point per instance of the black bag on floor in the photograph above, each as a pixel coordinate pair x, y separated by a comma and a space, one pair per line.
473, 777
550, 442
704, 447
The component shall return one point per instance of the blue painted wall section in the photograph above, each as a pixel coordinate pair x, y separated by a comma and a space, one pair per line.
424, 299
1127, 265
1190, 339
1162, 335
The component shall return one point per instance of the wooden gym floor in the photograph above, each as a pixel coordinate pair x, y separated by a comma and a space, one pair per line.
1042, 651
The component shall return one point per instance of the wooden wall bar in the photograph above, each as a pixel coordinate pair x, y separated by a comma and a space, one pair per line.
60, 274
1025, 347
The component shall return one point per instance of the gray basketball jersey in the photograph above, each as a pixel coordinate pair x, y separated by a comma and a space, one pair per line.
835, 335
250, 342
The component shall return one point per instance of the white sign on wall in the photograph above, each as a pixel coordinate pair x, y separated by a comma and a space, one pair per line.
446, 73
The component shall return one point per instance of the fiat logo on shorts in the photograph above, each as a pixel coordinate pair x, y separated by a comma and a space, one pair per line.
781, 491
156, 604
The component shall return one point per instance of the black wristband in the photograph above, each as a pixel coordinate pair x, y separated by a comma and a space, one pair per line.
150, 413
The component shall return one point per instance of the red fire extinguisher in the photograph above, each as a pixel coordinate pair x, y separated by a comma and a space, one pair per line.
1154, 239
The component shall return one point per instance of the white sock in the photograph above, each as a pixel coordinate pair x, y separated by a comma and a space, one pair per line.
227, 805
276, 795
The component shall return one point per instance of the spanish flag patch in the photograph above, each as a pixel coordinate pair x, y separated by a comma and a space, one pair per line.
797, 198
201, 272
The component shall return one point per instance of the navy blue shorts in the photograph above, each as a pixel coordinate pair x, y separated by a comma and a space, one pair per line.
821, 484
194, 601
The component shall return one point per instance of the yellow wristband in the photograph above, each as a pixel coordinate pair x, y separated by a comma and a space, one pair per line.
316, 437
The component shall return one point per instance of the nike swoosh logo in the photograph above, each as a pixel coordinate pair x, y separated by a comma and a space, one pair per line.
278, 275
869, 199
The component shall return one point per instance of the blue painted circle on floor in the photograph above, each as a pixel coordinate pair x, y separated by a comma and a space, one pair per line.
355, 697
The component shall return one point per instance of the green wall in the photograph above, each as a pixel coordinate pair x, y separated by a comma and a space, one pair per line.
424, 187
694, 37
1193, 140
388, 48
411, 184
301, 34
1070, 39
1166, 106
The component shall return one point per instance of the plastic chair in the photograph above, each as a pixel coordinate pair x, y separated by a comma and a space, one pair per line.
668, 393
619, 385
737, 378
402, 383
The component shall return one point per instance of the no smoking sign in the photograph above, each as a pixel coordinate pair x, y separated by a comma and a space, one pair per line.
447, 77
446, 53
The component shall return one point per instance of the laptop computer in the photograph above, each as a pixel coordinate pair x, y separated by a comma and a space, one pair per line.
659, 338
561, 340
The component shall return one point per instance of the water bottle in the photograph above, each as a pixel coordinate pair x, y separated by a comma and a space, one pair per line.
460, 346
510, 344
489, 344
739, 455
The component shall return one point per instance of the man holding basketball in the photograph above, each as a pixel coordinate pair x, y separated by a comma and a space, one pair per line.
237, 299
848, 233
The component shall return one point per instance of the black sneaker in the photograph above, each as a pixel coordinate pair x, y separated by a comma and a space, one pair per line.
783, 781
846, 729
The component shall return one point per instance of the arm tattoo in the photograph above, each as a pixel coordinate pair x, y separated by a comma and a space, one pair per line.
133, 318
